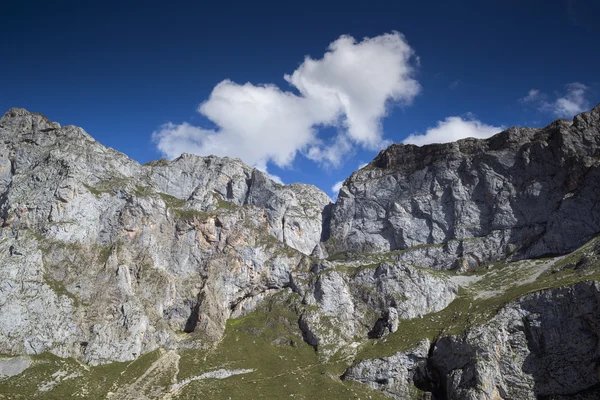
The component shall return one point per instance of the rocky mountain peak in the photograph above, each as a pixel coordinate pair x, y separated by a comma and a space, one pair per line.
24, 121
425, 279
512, 195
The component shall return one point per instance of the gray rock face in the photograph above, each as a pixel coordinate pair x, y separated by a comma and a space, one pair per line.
350, 305
13, 366
294, 212
543, 345
393, 375
522, 193
104, 259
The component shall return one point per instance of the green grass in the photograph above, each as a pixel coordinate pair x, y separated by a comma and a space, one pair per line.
190, 215
390, 256
85, 382
143, 191
268, 340
504, 284
177, 206
59, 288
96, 192
109, 186
171, 201
226, 205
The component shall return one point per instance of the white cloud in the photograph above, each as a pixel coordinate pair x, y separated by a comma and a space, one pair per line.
335, 189
357, 79
274, 178
566, 105
532, 96
573, 102
454, 84
332, 154
349, 88
452, 129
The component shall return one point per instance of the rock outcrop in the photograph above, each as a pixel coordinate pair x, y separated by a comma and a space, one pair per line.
105, 259
346, 306
423, 280
522, 193
545, 345
393, 375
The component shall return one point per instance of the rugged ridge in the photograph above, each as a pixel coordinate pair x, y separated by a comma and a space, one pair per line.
522, 193
165, 248
423, 280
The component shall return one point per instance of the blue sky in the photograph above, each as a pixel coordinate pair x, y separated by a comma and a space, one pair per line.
447, 69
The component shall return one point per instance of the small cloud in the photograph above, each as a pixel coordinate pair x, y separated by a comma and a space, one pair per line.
452, 129
573, 102
362, 165
330, 155
274, 178
532, 96
454, 84
335, 189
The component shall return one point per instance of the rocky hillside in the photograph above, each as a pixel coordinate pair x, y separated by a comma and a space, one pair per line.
523, 193
468, 270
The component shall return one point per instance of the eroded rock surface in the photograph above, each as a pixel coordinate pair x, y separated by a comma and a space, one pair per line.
393, 375
349, 305
103, 259
543, 345
519, 194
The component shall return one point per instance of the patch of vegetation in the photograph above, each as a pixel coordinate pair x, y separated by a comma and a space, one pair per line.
352, 271
104, 252
190, 215
481, 301
268, 341
390, 256
223, 204
226, 205
163, 162
171, 201
94, 191
36, 235
143, 191
59, 288
67, 378
107, 186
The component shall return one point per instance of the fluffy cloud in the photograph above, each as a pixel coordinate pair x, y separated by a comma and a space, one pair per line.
532, 96
335, 189
566, 105
573, 102
452, 129
331, 154
349, 88
357, 79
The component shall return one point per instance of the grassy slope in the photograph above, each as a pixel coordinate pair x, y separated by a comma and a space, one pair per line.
269, 342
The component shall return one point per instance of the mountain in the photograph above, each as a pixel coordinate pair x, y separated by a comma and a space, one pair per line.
467, 270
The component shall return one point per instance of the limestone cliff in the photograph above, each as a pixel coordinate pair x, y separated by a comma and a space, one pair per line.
466, 270
522, 193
